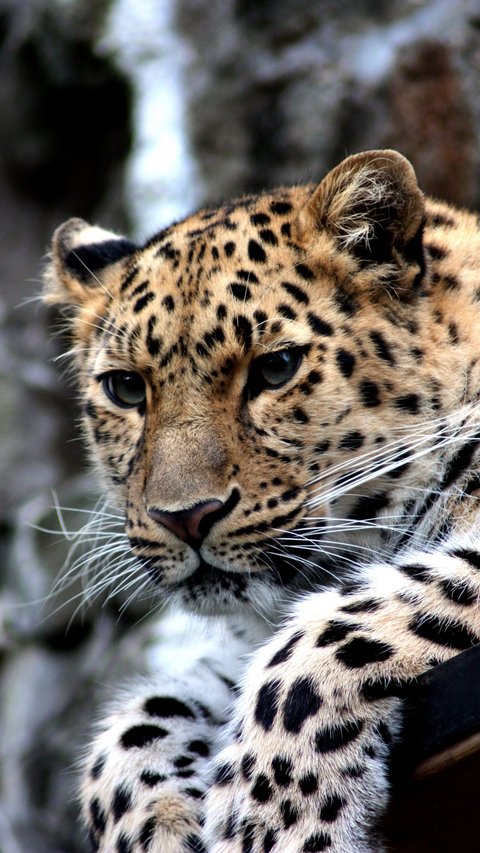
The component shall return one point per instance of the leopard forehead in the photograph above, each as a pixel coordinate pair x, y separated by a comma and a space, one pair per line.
225, 286
205, 290
227, 281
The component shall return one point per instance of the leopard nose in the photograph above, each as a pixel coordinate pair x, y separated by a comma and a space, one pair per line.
190, 525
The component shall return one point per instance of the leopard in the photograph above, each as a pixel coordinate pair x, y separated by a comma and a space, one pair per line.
280, 395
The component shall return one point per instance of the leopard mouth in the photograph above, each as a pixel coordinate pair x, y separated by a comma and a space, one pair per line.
211, 590
281, 568
206, 572
270, 565
215, 590
276, 564
280, 572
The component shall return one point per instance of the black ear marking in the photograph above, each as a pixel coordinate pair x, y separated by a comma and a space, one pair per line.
415, 253
84, 261
79, 255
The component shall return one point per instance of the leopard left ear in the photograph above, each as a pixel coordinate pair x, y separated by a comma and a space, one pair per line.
372, 205
80, 256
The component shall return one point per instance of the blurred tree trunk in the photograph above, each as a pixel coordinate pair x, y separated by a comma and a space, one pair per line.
65, 132
280, 91
277, 91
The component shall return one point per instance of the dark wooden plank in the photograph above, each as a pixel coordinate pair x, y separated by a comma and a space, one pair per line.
443, 707
436, 769
437, 813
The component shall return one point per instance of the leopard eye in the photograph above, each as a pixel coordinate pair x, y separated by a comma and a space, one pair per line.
274, 369
125, 389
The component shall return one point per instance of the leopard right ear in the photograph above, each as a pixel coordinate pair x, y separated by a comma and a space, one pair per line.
79, 257
372, 206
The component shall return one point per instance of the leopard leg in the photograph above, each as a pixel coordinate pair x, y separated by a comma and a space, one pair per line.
306, 769
146, 773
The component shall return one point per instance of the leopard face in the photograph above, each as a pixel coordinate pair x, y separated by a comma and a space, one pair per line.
251, 376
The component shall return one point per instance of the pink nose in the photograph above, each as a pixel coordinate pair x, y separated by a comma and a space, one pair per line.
190, 525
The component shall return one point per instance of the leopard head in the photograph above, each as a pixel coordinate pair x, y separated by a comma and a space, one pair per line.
242, 369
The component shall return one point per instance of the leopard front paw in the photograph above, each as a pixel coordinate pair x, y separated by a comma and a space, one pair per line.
143, 789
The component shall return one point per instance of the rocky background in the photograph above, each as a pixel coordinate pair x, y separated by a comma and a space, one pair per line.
130, 113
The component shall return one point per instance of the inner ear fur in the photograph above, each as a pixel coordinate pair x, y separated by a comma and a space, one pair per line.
80, 254
372, 206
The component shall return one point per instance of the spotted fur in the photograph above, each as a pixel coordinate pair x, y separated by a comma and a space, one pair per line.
281, 396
